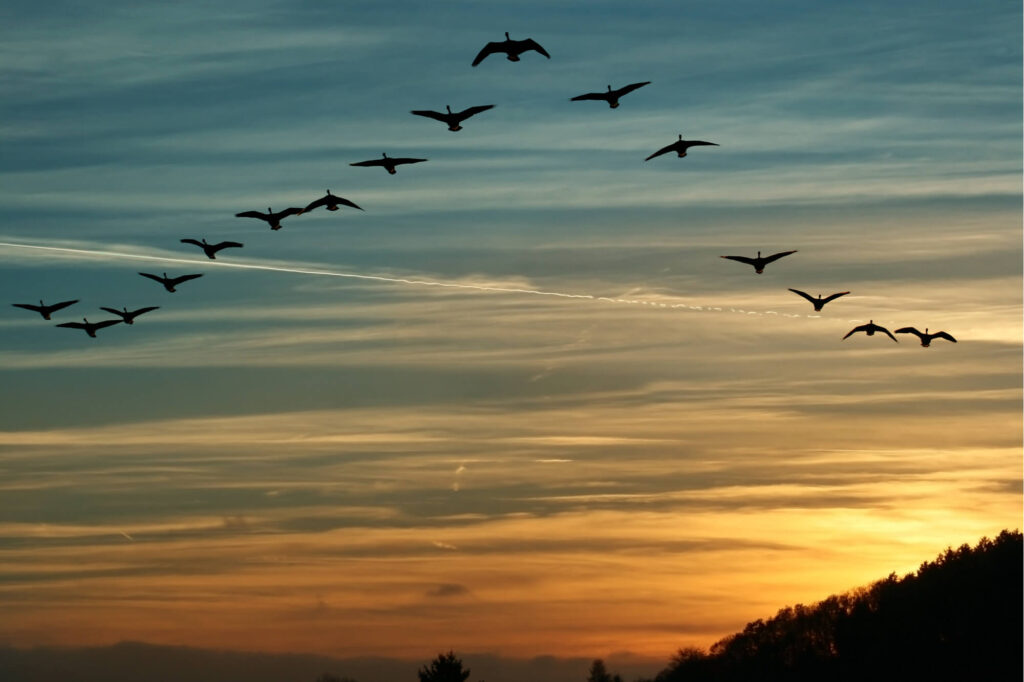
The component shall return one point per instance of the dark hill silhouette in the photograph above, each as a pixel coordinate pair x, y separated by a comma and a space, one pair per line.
956, 618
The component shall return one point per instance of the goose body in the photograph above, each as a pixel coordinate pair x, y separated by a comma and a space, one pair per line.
870, 328
274, 219
679, 147
128, 316
211, 249
89, 327
330, 202
511, 48
387, 162
759, 262
43, 309
819, 302
453, 119
169, 282
612, 96
926, 338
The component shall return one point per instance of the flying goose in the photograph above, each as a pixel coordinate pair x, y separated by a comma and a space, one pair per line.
679, 147
211, 249
127, 316
512, 48
387, 162
612, 96
760, 262
169, 282
89, 327
331, 202
452, 119
926, 338
273, 218
819, 302
43, 309
870, 328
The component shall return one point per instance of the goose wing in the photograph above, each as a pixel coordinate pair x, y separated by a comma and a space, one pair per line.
322, 201
489, 49
630, 88
436, 115
832, 297
175, 281
346, 202
399, 161
28, 306
910, 330
74, 325
887, 333
252, 214
371, 162
193, 241
155, 278
805, 295
590, 95
287, 212
943, 335
227, 245
104, 323
60, 306
115, 311
776, 256
531, 44
741, 259
136, 313
473, 111
664, 150
698, 143
858, 328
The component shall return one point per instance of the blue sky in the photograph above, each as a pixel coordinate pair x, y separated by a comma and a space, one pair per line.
312, 449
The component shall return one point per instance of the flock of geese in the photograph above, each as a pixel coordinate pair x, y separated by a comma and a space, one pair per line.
454, 120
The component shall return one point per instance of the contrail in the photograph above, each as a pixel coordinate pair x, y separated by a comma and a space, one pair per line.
401, 280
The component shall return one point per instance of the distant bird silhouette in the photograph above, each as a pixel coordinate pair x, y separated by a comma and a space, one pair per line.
870, 328
169, 282
273, 218
387, 162
128, 316
679, 147
819, 302
926, 338
331, 202
89, 327
512, 48
43, 309
452, 119
760, 262
612, 96
211, 249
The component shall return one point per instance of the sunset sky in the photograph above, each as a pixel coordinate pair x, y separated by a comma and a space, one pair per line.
518, 405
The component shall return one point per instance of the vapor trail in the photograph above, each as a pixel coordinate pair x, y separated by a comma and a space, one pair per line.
399, 280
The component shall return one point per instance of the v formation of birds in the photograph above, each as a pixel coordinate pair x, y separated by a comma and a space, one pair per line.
512, 49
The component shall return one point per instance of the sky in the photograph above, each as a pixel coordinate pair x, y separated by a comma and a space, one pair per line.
518, 405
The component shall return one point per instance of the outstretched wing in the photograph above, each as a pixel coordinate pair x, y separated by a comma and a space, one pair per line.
741, 259
141, 310
698, 143
192, 241
887, 333
405, 160
63, 304
489, 48
155, 278
473, 111
252, 214
115, 311
805, 295
183, 278
104, 323
346, 202
859, 328
436, 115
531, 44
663, 150
72, 325
322, 201
910, 330
371, 162
28, 306
589, 95
287, 212
944, 335
630, 88
832, 297
228, 245
776, 256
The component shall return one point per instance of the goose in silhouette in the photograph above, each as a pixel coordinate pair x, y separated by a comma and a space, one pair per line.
679, 147
612, 96
128, 316
331, 201
387, 162
512, 48
870, 328
89, 327
43, 309
760, 262
819, 302
453, 119
211, 249
273, 218
169, 282
926, 338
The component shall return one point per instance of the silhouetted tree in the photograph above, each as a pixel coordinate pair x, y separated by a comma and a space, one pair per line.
598, 673
445, 668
